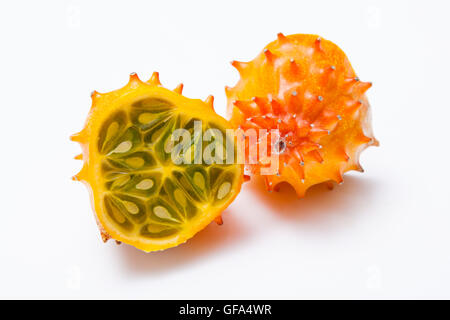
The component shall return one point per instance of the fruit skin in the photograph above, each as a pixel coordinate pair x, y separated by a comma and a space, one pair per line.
103, 104
305, 86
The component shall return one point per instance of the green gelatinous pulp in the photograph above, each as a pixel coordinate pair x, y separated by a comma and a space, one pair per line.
146, 192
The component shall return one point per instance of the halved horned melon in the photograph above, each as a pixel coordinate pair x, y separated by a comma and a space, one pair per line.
141, 195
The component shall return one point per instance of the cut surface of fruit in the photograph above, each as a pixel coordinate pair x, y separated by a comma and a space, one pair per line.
145, 190
305, 87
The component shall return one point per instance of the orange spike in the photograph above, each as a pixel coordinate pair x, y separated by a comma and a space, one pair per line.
327, 120
298, 169
276, 106
338, 177
294, 101
350, 82
318, 44
246, 178
329, 185
250, 125
364, 139
94, 94
315, 154
240, 66
262, 105
218, 220
259, 121
362, 87
134, 77
228, 91
82, 175
293, 65
282, 38
245, 107
299, 157
316, 133
78, 137
269, 55
300, 192
354, 107
303, 128
210, 101
308, 147
327, 74
343, 154
154, 80
179, 89
357, 167
78, 157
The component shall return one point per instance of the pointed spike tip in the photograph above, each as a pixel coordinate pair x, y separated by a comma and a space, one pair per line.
269, 55
240, 66
375, 142
210, 101
218, 220
318, 44
77, 137
155, 79
133, 78
281, 37
179, 88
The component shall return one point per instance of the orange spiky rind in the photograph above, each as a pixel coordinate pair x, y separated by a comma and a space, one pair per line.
106, 104
305, 86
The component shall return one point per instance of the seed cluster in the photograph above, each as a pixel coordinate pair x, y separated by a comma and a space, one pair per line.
146, 193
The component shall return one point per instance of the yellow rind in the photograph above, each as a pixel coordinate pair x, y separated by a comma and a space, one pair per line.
103, 105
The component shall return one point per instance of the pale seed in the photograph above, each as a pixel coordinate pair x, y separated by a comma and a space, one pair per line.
123, 147
145, 184
131, 207
224, 189
162, 212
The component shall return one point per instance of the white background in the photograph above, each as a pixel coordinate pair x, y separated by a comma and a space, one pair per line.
382, 234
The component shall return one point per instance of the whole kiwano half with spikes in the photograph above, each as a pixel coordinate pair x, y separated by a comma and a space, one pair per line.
139, 194
305, 87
